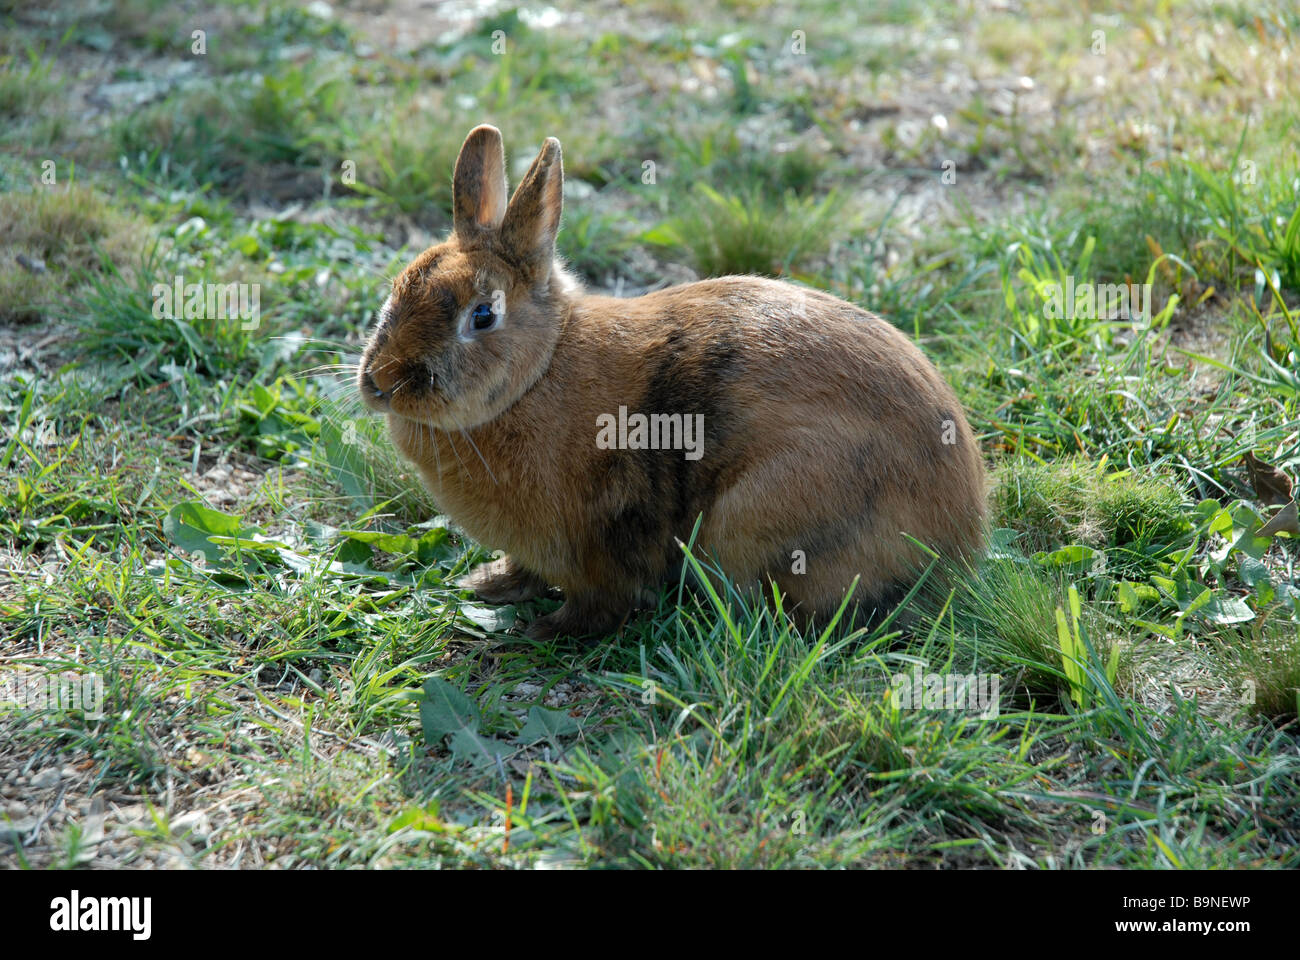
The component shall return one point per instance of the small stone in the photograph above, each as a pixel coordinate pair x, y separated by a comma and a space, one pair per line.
46, 778
16, 809
31, 264
194, 823
132, 814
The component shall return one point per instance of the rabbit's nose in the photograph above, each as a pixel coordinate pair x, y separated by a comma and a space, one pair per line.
374, 388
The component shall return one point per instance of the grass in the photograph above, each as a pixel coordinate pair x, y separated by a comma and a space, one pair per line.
198, 511
746, 234
24, 86
63, 232
1068, 501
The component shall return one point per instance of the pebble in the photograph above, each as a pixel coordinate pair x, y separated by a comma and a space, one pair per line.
22, 826
132, 814
46, 778
16, 809
195, 823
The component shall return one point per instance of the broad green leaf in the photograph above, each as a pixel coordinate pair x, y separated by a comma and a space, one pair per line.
1129, 601
481, 751
1245, 532
1214, 517
445, 709
1223, 608
1076, 559
1252, 572
1170, 633
419, 818
388, 542
191, 526
546, 724
434, 545
491, 619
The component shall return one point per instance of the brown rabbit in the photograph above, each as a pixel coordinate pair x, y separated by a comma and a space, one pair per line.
585, 434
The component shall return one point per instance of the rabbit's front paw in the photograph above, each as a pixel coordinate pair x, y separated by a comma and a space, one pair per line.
504, 581
576, 619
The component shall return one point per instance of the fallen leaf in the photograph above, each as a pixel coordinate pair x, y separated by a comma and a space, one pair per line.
1272, 486
1286, 520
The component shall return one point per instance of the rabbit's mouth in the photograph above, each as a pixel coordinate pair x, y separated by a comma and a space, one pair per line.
415, 397
383, 383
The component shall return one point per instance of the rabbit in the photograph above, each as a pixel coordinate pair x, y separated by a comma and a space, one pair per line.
816, 441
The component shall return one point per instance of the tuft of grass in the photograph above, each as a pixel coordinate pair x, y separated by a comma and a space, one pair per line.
1005, 614
71, 230
1263, 661
1071, 501
719, 157
116, 315
240, 136
722, 234
26, 84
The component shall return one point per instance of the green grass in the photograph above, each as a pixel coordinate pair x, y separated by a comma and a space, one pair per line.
1068, 501
201, 513
746, 234
64, 232
25, 84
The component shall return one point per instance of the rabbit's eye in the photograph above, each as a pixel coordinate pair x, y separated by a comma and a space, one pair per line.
482, 317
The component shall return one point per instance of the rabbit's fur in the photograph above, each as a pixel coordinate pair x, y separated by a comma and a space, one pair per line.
825, 430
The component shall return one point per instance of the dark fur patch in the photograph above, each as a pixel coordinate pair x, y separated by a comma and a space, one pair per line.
822, 541
868, 611
663, 492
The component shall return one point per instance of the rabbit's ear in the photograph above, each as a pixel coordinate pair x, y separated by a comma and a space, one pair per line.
479, 185
533, 217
